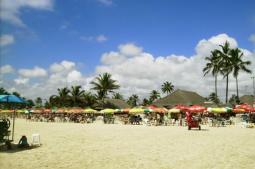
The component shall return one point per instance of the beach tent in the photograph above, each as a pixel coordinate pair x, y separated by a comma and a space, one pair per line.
180, 97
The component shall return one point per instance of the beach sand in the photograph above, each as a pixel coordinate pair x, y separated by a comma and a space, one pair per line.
99, 146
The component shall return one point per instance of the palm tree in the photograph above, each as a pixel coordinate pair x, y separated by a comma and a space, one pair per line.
104, 84
133, 100
76, 95
3, 91
38, 102
167, 87
61, 99
154, 95
117, 96
225, 64
89, 99
213, 66
238, 65
146, 102
214, 98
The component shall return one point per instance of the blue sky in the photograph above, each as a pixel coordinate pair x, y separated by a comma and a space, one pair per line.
43, 32
160, 27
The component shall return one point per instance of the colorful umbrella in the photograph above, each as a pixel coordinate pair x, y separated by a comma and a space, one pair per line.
239, 110
110, 111
196, 109
174, 110
246, 107
181, 107
136, 110
89, 110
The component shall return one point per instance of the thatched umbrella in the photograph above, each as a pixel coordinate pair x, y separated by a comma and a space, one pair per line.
180, 97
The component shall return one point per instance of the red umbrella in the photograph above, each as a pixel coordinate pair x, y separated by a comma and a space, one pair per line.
196, 109
181, 107
238, 110
246, 107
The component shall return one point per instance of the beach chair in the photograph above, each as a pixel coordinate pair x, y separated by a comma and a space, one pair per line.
36, 139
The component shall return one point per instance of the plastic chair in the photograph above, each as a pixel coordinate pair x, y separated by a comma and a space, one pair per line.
36, 139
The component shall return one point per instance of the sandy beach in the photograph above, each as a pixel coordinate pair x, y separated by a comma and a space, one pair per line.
96, 146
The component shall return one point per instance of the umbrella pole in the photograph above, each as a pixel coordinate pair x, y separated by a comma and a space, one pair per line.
13, 124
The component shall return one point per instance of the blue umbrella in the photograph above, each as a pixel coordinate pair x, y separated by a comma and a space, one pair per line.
11, 99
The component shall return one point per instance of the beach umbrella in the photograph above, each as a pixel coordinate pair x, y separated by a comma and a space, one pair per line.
107, 111
12, 99
181, 107
174, 110
246, 107
148, 110
238, 110
125, 110
196, 109
160, 110
136, 110
89, 110
47, 110
217, 110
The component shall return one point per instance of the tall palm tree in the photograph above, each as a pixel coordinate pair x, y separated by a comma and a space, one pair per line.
238, 65
117, 96
225, 64
154, 95
104, 84
213, 66
76, 95
167, 87
62, 98
133, 100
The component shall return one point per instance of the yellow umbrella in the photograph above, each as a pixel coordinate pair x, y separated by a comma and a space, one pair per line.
174, 110
89, 110
110, 111
136, 110
218, 110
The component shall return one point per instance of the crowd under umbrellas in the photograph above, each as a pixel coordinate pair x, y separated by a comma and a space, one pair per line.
150, 115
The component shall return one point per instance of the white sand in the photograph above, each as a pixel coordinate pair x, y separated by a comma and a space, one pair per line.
94, 146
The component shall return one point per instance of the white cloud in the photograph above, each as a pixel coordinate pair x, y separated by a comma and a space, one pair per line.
101, 38
130, 49
205, 46
6, 69
21, 80
10, 9
139, 72
35, 72
252, 38
6, 39
106, 2
62, 66
74, 76
144, 72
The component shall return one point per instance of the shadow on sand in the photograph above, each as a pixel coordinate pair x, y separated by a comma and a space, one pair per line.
15, 148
